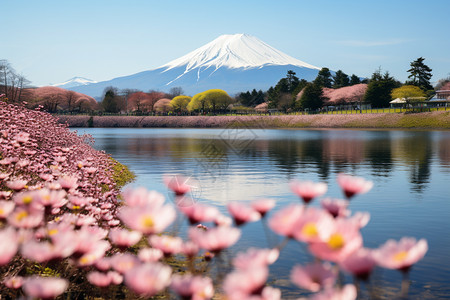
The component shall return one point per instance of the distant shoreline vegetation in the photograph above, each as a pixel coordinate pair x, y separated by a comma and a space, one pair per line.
423, 120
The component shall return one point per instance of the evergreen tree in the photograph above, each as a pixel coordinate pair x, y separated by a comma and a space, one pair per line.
340, 79
354, 80
379, 90
110, 102
292, 81
312, 97
420, 74
324, 78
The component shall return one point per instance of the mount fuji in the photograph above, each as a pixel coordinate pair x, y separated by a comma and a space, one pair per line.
235, 63
74, 82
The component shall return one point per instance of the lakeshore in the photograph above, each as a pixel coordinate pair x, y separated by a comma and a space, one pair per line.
425, 120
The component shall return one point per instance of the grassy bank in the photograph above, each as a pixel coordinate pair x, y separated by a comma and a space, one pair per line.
425, 120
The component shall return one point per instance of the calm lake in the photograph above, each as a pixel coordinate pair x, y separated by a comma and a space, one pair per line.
410, 197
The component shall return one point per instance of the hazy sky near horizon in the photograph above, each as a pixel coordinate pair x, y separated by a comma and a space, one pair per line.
52, 41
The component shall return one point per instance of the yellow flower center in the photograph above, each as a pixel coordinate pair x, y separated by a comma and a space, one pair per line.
2, 211
336, 241
53, 231
76, 207
147, 222
310, 230
27, 199
400, 256
21, 215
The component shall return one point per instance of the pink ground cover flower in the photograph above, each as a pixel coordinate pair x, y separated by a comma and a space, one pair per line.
400, 255
17, 184
192, 287
24, 218
6, 207
8, 245
14, 282
150, 254
360, 263
124, 238
148, 279
241, 284
44, 287
148, 219
255, 258
179, 184
343, 241
215, 239
353, 185
314, 276
142, 197
285, 220
169, 245
104, 279
336, 207
263, 205
123, 262
243, 213
308, 190
314, 225
347, 292
199, 213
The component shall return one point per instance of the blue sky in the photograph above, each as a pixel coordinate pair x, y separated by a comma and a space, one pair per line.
52, 41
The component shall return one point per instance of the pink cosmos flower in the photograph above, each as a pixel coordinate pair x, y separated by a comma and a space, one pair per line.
263, 205
222, 220
255, 258
22, 137
8, 245
336, 207
192, 287
198, 213
148, 219
361, 219
124, 238
169, 245
352, 185
142, 197
189, 249
242, 283
348, 292
308, 190
400, 255
17, 184
360, 263
14, 282
215, 239
344, 240
6, 207
150, 254
314, 276
24, 218
314, 225
104, 279
243, 213
45, 251
284, 221
148, 279
68, 182
179, 184
44, 287
123, 262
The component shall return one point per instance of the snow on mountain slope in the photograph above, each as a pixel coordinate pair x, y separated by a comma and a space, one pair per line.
235, 63
73, 82
235, 51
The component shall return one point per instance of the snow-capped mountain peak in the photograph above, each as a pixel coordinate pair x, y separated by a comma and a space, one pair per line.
73, 82
235, 51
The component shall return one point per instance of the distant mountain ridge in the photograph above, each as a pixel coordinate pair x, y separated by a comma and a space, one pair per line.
234, 63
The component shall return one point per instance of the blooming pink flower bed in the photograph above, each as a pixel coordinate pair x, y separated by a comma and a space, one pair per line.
438, 119
64, 232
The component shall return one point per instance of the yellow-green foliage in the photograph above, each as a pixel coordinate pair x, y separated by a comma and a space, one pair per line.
210, 99
180, 103
410, 93
121, 174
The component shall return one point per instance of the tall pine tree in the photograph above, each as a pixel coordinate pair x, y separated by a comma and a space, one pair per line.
420, 74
